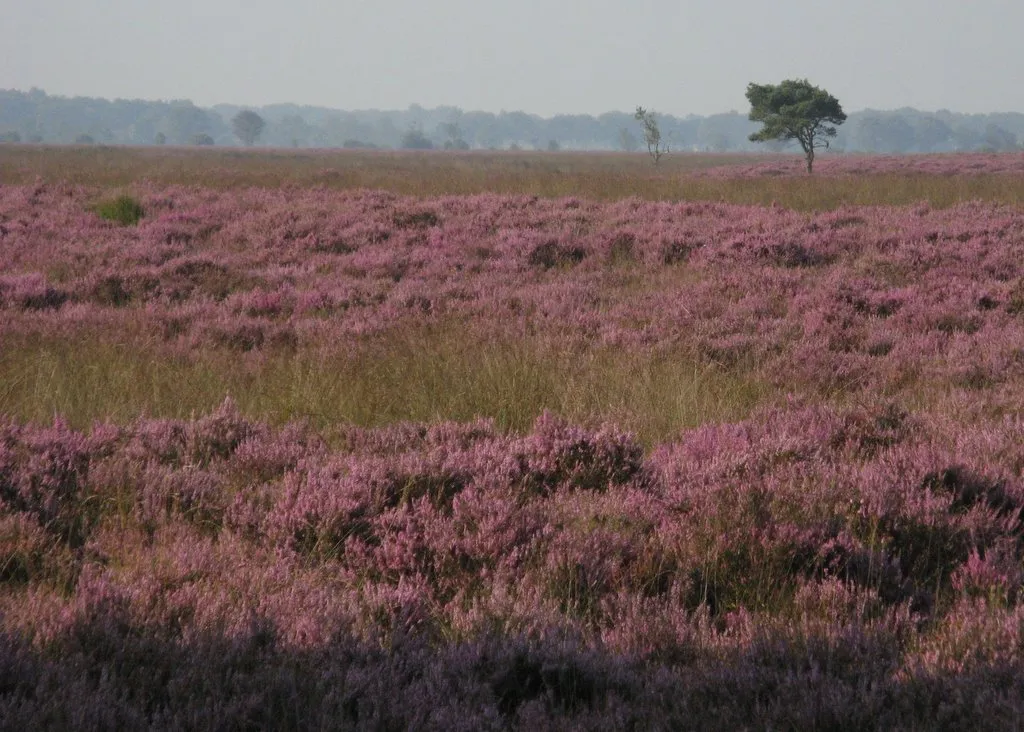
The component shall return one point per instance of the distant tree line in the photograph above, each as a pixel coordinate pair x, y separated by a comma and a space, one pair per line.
34, 116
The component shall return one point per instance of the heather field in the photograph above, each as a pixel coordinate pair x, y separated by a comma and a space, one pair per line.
316, 453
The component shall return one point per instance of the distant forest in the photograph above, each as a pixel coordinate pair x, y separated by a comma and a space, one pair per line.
36, 117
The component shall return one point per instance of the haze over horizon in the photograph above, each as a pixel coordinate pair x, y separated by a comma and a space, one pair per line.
544, 58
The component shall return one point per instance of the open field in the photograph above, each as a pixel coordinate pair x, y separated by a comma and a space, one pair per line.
940, 180
469, 452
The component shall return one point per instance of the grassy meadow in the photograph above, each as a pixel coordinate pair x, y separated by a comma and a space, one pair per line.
599, 176
416, 375
495, 440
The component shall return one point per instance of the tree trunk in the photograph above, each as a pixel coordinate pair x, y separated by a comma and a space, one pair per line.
807, 143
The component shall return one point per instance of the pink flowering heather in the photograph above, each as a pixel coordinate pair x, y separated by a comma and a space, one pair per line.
960, 164
858, 300
559, 576
848, 555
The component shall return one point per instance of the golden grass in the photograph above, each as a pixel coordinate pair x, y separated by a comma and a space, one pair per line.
417, 375
593, 175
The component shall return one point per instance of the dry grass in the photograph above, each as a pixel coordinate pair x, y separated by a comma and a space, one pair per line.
600, 176
416, 375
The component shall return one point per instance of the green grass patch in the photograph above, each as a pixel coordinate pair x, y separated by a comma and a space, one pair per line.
123, 210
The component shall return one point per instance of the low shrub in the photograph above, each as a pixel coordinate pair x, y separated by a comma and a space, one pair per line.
124, 210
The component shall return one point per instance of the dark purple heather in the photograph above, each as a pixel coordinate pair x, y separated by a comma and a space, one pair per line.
823, 561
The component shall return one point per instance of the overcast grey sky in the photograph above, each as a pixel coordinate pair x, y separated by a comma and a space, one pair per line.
539, 56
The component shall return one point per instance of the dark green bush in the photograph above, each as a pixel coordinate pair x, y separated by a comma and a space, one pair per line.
125, 210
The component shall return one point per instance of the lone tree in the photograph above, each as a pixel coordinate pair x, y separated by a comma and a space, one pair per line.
247, 126
652, 135
795, 110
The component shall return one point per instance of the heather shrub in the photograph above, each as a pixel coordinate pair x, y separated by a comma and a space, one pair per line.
246, 515
1015, 302
46, 477
416, 219
30, 292
560, 455
26, 550
993, 574
112, 292
217, 435
163, 441
582, 573
319, 511
676, 252
622, 249
552, 254
124, 210
521, 675
180, 279
197, 496
262, 456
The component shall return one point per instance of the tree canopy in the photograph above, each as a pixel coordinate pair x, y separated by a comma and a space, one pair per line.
247, 126
795, 110
415, 139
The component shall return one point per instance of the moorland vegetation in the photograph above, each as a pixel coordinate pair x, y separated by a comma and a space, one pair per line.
478, 441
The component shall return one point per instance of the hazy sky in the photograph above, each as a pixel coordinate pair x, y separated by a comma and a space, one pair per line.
539, 56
